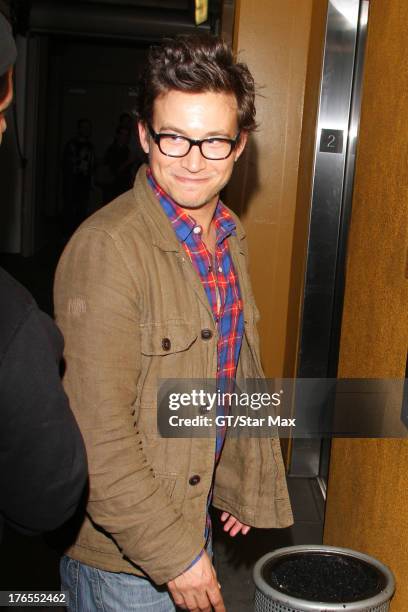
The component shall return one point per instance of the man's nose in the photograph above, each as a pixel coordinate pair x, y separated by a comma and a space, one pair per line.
193, 161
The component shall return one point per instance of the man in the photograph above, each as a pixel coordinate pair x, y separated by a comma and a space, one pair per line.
155, 286
42, 456
77, 169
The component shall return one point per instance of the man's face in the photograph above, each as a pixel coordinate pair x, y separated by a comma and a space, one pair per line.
193, 181
5, 103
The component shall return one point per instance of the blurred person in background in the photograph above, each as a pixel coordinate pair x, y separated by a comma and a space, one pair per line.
119, 163
78, 164
138, 157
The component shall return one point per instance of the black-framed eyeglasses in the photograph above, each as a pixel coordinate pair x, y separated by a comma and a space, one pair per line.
175, 145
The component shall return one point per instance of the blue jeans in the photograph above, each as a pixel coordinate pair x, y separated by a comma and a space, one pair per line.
91, 589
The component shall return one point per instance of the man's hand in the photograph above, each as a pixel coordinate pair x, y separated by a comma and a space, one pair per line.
233, 525
197, 589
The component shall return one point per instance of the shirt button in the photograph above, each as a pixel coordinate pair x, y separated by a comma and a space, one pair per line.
206, 334
197, 229
166, 344
194, 480
219, 269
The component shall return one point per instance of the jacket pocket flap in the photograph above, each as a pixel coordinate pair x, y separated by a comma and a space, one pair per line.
166, 338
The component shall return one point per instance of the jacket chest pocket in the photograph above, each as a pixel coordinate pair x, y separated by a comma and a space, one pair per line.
166, 339
166, 349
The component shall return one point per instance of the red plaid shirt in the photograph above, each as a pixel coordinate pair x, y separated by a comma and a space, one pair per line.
221, 285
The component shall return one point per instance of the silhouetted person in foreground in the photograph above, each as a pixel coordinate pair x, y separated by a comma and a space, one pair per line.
43, 468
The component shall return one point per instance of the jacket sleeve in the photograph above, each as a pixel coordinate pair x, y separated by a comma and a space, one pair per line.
43, 468
97, 307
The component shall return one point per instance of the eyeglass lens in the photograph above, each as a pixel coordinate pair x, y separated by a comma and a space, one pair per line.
178, 146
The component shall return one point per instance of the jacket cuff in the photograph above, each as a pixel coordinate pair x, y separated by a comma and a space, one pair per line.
194, 561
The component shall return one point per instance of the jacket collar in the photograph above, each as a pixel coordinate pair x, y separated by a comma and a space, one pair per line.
163, 235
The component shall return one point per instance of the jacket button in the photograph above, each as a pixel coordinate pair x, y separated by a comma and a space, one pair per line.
206, 334
194, 480
166, 344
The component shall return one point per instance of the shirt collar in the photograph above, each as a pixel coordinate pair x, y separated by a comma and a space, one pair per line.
182, 223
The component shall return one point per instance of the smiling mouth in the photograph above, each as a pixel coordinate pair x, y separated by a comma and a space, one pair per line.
187, 179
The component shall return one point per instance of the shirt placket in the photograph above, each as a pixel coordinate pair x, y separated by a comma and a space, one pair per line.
214, 273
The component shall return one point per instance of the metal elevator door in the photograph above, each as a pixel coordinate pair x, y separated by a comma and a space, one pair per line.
333, 174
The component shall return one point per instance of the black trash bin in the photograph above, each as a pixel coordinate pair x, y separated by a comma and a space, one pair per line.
321, 578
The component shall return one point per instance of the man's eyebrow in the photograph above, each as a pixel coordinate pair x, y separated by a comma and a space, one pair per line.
171, 128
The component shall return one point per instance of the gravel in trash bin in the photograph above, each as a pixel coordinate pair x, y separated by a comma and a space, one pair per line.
325, 577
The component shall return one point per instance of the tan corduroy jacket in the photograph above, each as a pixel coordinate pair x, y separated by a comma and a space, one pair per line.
122, 286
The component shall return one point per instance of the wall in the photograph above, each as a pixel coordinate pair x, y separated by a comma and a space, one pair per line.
275, 41
367, 506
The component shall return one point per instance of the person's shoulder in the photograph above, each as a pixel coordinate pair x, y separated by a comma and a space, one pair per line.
114, 218
16, 303
121, 217
13, 294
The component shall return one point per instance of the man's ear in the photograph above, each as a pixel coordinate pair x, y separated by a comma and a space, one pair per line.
143, 137
243, 138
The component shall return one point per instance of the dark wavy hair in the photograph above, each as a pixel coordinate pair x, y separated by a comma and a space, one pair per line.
196, 63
